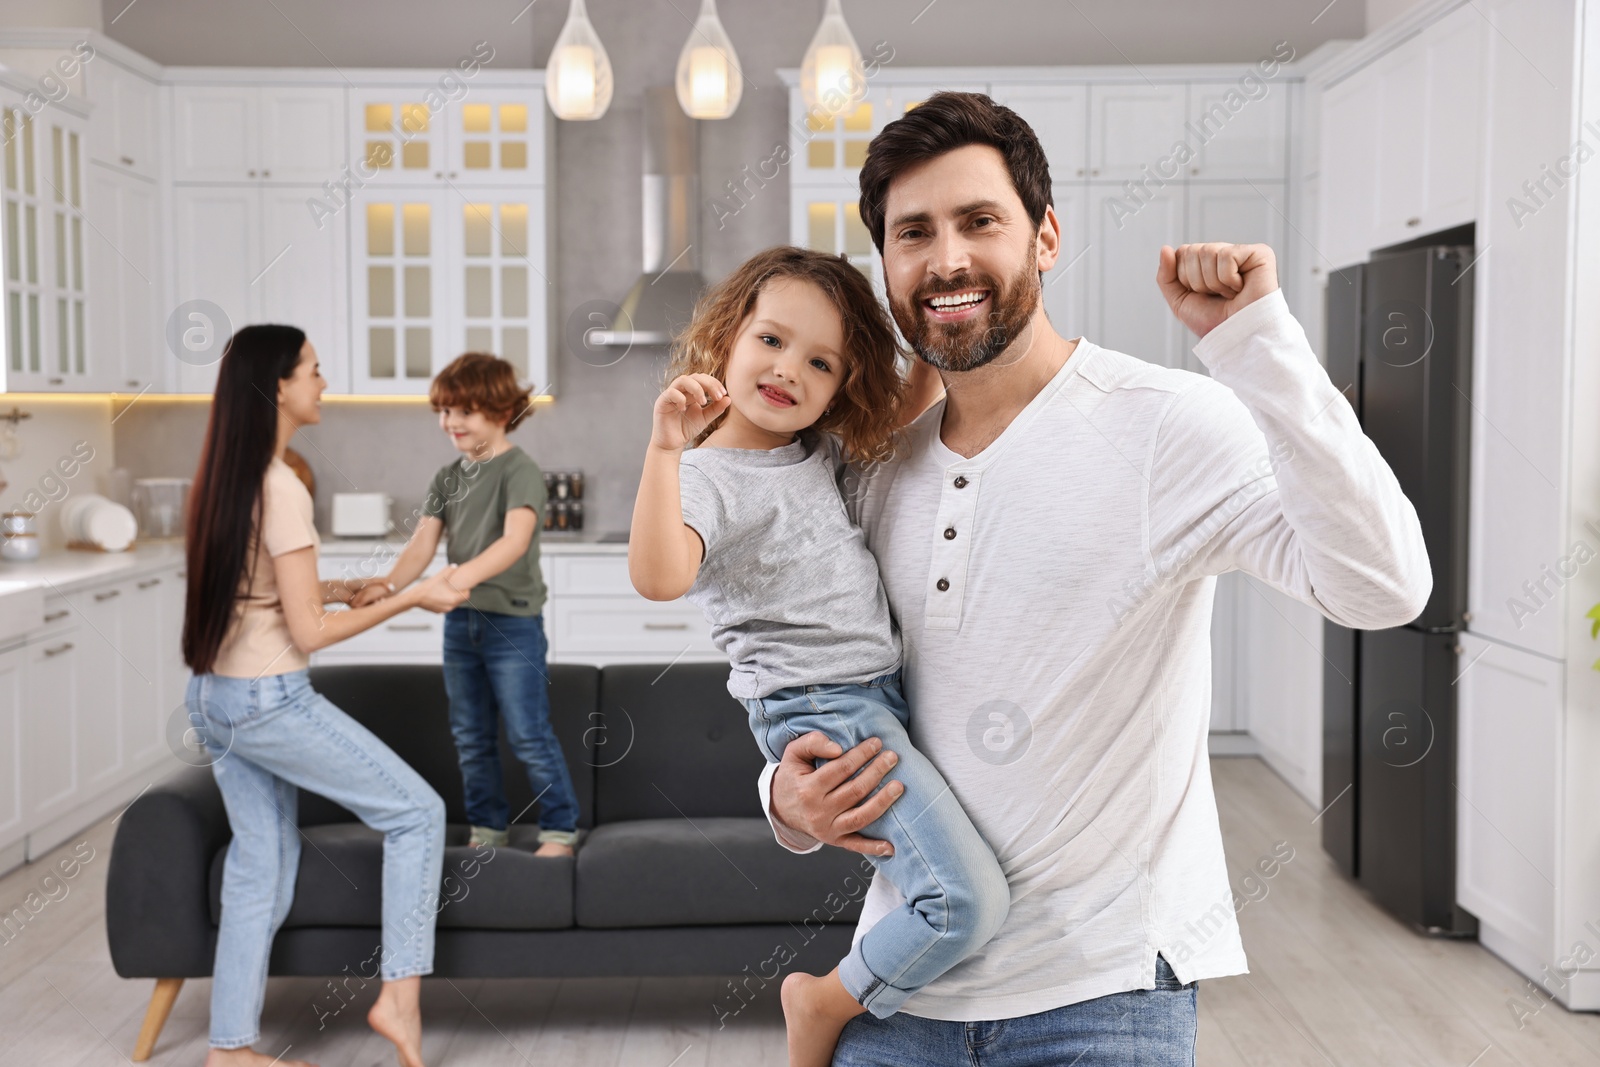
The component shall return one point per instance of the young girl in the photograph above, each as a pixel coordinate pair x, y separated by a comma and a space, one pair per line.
791, 350
488, 505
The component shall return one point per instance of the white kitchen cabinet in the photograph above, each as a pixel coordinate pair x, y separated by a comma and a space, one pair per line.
1059, 115
174, 671
46, 279
256, 252
1508, 776
145, 642
124, 128
1126, 310
285, 133
496, 137
51, 731
1238, 212
829, 150
1238, 137
1350, 163
395, 136
439, 272
102, 689
411, 136
1402, 141
13, 715
827, 218
1132, 127
125, 276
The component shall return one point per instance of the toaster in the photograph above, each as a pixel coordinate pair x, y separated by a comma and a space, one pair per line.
361, 514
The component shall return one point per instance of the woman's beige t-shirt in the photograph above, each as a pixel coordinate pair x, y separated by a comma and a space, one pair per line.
258, 642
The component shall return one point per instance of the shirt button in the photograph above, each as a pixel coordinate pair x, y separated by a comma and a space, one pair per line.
942, 584
961, 481
950, 533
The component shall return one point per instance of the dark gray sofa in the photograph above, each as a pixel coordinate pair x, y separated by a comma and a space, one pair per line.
676, 871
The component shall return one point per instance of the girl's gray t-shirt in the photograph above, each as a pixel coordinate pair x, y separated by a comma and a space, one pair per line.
788, 584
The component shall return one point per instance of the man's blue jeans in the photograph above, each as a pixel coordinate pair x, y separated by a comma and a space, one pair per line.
956, 897
494, 667
1139, 1028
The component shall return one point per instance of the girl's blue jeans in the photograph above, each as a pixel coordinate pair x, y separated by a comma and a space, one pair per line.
268, 738
956, 897
494, 668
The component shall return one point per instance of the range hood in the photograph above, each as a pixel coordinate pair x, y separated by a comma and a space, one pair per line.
661, 301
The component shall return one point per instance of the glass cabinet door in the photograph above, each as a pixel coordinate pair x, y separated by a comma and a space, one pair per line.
66, 253
828, 219
503, 278
24, 213
829, 149
496, 137
400, 289
396, 136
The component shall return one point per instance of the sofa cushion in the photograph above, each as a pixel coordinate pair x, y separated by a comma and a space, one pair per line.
340, 881
689, 753
710, 871
406, 706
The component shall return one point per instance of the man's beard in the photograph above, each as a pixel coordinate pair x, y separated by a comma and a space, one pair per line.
964, 346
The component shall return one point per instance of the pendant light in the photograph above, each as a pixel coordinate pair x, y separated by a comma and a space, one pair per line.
709, 81
831, 76
578, 77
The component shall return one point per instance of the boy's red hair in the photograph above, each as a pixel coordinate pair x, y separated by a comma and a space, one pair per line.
478, 381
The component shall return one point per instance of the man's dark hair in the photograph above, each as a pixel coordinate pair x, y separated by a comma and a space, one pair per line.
942, 123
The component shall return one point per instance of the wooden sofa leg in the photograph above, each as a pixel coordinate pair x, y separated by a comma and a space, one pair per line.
155, 1016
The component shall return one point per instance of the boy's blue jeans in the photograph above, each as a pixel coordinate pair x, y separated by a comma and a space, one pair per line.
494, 667
956, 897
268, 738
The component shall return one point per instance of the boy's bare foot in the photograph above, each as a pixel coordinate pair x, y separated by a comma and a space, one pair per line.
553, 848
815, 1011
398, 1016
246, 1057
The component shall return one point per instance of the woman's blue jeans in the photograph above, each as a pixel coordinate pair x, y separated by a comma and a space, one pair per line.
494, 667
956, 897
268, 738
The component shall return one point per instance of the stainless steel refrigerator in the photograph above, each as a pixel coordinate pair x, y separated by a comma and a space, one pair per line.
1399, 343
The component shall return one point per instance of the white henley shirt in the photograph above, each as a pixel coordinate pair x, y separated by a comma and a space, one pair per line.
1053, 594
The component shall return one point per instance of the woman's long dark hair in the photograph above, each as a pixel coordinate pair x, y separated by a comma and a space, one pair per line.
225, 502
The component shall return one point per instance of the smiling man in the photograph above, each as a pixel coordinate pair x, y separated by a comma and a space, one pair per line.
1049, 539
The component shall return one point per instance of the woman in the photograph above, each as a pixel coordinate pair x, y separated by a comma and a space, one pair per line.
254, 614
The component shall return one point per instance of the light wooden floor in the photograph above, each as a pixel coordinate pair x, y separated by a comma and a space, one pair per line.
1333, 981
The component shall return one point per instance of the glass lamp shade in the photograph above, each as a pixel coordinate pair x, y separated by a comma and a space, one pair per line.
577, 80
831, 76
709, 82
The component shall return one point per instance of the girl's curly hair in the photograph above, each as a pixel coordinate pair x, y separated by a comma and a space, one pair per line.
867, 408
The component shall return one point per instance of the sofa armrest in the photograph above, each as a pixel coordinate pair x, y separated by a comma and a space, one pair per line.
158, 913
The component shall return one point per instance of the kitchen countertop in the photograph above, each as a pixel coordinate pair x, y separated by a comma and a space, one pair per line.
549, 545
64, 570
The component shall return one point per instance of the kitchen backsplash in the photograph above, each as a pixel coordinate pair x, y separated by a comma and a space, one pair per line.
600, 425
66, 449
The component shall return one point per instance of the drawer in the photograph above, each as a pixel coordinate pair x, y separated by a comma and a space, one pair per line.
410, 631
627, 624
591, 576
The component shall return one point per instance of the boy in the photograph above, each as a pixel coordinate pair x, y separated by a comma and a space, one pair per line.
490, 504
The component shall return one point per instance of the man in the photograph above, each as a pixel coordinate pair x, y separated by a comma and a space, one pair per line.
1049, 540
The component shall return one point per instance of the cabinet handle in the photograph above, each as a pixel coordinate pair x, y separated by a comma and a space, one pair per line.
110, 594
52, 616
126, 162
266, 174
1194, 170
252, 174
1095, 173
183, 574
50, 653
1413, 221
1080, 172
438, 174
409, 627
134, 382
149, 582
57, 381
666, 626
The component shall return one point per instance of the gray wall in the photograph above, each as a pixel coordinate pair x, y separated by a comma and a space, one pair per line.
601, 421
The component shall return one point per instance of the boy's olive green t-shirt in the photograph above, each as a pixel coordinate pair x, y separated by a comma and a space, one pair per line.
473, 498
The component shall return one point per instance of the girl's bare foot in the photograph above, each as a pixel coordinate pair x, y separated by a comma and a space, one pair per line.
398, 1016
815, 1011
553, 848
245, 1057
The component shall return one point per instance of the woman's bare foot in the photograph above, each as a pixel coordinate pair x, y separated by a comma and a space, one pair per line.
553, 848
398, 1016
245, 1057
815, 1011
